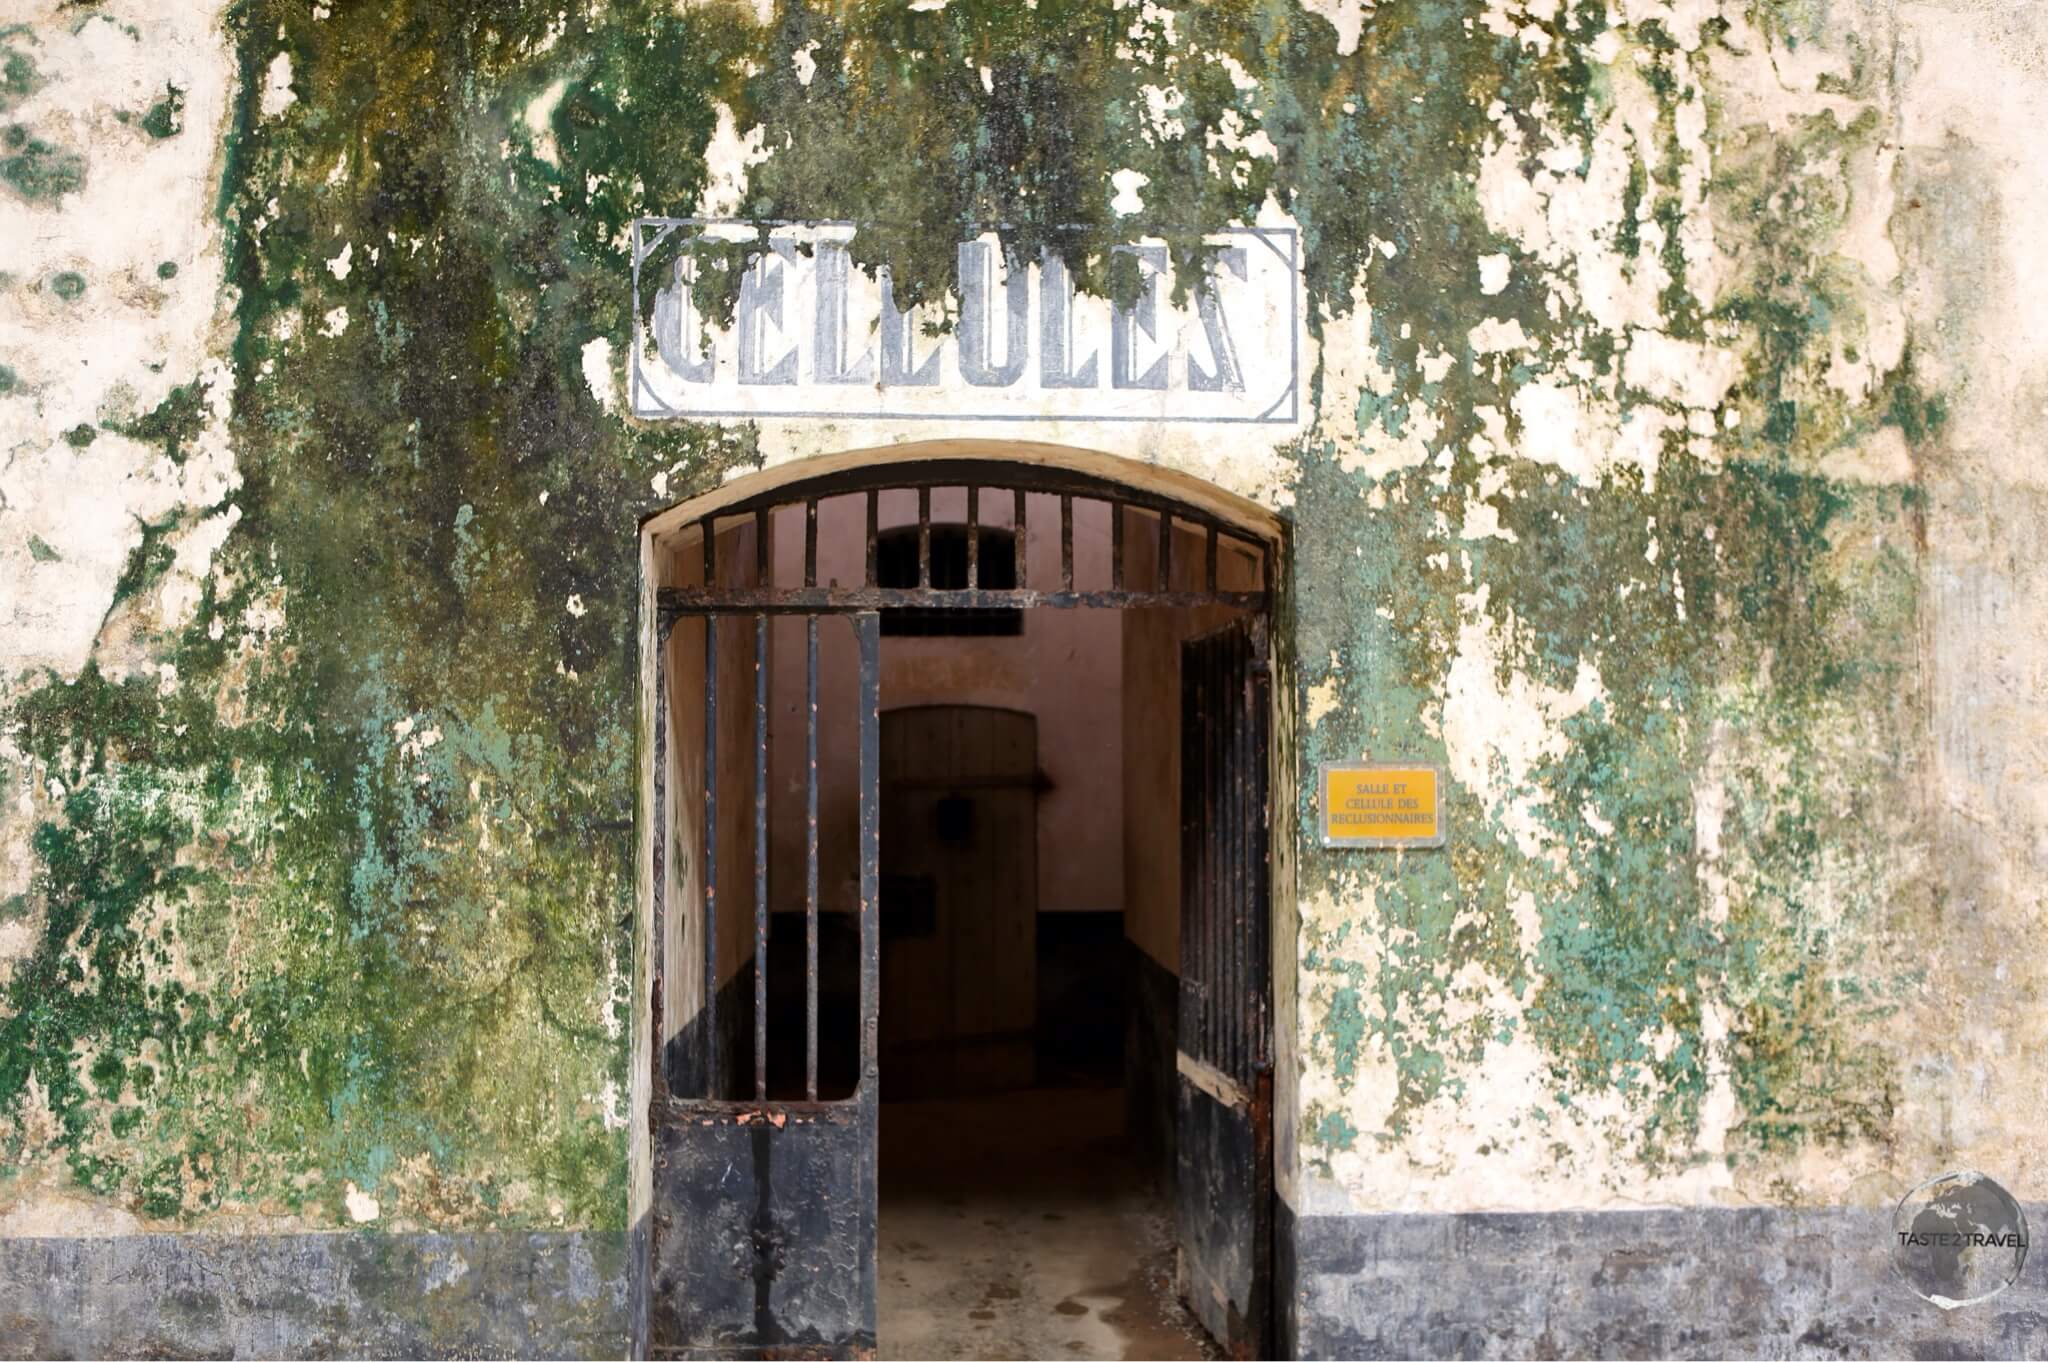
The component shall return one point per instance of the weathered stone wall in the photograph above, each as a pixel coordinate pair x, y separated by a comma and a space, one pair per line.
465, 1294
1675, 369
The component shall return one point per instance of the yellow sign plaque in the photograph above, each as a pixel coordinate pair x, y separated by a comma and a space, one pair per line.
1382, 804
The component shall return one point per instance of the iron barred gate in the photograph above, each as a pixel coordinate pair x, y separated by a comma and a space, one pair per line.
1224, 1184
762, 1240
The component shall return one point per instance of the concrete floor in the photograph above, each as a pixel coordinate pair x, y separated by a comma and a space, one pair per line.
1016, 1226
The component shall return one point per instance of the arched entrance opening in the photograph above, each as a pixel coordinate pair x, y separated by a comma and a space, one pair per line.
958, 801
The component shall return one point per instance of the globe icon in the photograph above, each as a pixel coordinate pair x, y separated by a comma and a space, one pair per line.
1958, 1239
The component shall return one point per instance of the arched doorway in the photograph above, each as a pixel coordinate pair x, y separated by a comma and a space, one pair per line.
762, 1048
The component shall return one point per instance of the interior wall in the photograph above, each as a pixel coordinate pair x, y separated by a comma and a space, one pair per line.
1064, 669
960, 997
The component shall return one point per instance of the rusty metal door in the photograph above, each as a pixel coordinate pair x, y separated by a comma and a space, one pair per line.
1224, 1183
763, 1243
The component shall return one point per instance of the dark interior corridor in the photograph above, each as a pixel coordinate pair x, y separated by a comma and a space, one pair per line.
1018, 1219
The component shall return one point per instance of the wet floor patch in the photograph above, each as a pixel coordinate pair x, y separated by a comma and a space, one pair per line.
1018, 1226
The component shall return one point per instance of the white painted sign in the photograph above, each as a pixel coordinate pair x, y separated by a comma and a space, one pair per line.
815, 336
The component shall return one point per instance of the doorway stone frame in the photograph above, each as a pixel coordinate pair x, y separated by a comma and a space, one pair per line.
658, 530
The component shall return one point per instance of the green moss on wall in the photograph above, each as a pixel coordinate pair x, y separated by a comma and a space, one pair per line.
18, 76
1750, 622
350, 902
38, 170
166, 117
174, 423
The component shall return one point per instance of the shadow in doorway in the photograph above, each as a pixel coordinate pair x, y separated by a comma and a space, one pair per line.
1023, 1222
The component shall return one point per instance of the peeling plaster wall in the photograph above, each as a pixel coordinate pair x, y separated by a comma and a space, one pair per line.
1647, 568
1676, 369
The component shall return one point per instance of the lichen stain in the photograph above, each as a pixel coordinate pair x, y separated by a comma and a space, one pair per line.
1640, 412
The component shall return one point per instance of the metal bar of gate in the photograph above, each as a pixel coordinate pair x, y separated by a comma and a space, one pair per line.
868, 629
1210, 983
1198, 1043
874, 537
762, 576
1190, 812
1250, 843
1066, 542
973, 538
1262, 937
1219, 838
1230, 849
959, 473
712, 1085
811, 809
760, 858
1116, 546
811, 858
810, 542
1190, 857
924, 537
1211, 851
1165, 551
1196, 941
1237, 921
1219, 779
1023, 533
826, 600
